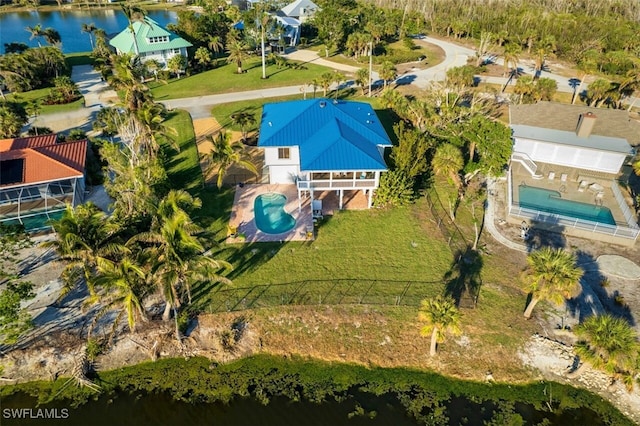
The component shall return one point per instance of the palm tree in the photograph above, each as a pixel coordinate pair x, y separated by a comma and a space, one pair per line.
52, 36
587, 64
326, 79
525, 87
124, 287
609, 343
237, 53
448, 161
36, 32
225, 154
440, 316
151, 116
552, 275
179, 258
127, 76
598, 92
511, 58
82, 238
264, 21
134, 13
203, 57
215, 44
89, 29
388, 73
243, 119
362, 78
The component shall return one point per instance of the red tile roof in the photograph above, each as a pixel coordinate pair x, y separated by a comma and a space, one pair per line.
44, 158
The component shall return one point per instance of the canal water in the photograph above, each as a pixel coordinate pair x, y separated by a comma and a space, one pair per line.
69, 24
355, 409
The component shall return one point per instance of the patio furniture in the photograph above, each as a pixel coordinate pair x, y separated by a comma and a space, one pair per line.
583, 185
552, 175
595, 188
599, 197
563, 177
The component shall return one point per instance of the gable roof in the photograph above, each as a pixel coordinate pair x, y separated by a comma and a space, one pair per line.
43, 159
331, 135
563, 137
551, 115
144, 31
300, 8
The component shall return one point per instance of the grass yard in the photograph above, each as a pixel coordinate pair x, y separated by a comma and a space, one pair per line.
39, 94
183, 166
225, 80
79, 58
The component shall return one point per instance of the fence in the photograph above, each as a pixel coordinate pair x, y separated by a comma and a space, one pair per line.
628, 216
448, 228
323, 292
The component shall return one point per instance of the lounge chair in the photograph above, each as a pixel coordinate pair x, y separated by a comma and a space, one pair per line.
563, 177
595, 188
552, 175
583, 186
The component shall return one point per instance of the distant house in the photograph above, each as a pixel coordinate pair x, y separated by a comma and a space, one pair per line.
302, 10
324, 145
38, 178
151, 42
565, 167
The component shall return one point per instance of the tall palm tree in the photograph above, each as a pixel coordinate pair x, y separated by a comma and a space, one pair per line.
36, 32
237, 53
89, 29
553, 275
179, 257
83, 236
225, 154
326, 79
215, 44
127, 77
440, 316
362, 78
525, 87
388, 72
151, 116
134, 13
609, 343
448, 161
52, 36
264, 21
124, 286
598, 92
244, 120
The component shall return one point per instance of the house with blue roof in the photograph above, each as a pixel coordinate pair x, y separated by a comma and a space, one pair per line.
150, 41
323, 145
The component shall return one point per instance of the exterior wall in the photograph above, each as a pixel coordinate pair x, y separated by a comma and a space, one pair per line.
282, 170
570, 156
162, 56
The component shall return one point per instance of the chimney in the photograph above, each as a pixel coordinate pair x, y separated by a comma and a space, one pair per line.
585, 124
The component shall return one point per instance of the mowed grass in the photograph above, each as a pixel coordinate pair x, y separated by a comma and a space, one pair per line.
182, 164
39, 95
225, 80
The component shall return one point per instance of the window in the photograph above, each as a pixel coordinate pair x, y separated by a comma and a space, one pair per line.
176, 51
283, 153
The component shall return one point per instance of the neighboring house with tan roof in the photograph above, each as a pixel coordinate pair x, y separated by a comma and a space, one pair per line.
565, 167
38, 178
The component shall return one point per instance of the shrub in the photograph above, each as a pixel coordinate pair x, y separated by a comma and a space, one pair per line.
396, 189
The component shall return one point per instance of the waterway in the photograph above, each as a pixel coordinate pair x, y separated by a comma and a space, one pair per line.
69, 24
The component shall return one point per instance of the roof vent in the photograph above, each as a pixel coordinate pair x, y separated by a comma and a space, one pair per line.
585, 124
323, 104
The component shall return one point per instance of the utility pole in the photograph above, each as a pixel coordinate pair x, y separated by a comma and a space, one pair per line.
370, 65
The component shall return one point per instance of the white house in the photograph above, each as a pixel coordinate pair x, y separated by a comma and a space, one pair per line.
302, 10
323, 145
151, 42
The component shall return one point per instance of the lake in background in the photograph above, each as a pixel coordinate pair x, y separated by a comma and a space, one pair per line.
69, 24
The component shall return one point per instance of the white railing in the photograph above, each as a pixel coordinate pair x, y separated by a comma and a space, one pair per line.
570, 222
629, 217
527, 162
322, 184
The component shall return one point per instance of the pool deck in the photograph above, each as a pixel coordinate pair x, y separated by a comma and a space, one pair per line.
569, 189
242, 214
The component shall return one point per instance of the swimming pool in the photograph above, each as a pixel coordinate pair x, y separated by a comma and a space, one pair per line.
270, 215
552, 202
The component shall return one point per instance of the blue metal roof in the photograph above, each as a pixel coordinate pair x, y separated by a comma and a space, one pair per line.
330, 135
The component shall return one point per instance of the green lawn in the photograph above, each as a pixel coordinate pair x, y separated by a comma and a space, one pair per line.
183, 166
225, 80
79, 58
39, 94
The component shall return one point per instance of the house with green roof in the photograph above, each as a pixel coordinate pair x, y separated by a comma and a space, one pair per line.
150, 41
324, 145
